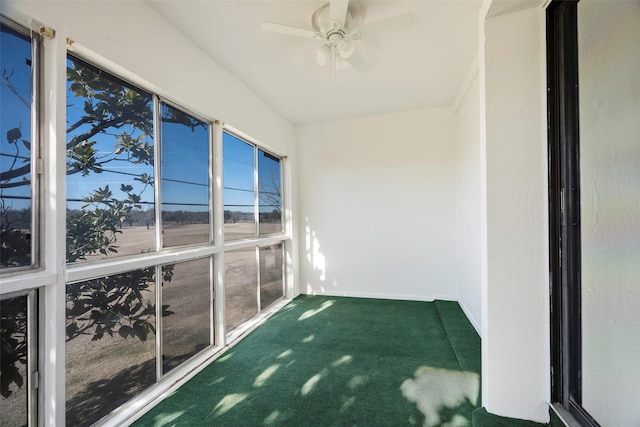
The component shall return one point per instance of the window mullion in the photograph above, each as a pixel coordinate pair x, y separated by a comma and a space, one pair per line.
157, 171
218, 280
256, 192
37, 165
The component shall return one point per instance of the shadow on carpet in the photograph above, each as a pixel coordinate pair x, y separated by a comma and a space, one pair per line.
335, 361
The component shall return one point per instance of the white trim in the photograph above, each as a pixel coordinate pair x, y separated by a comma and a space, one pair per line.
52, 298
79, 272
26, 281
219, 313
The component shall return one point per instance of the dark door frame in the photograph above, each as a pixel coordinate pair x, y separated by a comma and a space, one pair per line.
564, 208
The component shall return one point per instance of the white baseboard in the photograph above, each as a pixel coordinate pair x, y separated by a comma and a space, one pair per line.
405, 297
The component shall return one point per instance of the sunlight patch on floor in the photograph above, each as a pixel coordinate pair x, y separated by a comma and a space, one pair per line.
272, 418
224, 358
357, 381
265, 375
311, 382
217, 381
310, 313
344, 359
166, 419
348, 403
434, 390
228, 402
285, 353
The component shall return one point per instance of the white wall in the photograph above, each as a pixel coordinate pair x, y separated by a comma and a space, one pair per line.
609, 65
468, 207
515, 345
376, 206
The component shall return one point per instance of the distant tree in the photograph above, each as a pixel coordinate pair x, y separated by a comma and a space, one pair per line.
270, 194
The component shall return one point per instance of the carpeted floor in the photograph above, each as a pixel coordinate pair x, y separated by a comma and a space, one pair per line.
330, 361
482, 418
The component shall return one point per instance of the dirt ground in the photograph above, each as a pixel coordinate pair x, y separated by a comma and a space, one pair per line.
139, 239
103, 374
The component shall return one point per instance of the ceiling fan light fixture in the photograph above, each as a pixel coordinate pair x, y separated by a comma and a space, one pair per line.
346, 47
321, 56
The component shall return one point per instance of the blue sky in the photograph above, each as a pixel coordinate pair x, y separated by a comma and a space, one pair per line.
238, 160
15, 56
185, 166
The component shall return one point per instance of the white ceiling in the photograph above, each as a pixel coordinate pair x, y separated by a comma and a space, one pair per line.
421, 66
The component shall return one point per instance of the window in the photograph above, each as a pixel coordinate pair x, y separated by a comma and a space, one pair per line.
18, 148
239, 188
252, 183
187, 311
185, 178
126, 327
110, 199
254, 280
269, 193
254, 275
271, 274
241, 286
17, 358
19, 222
111, 347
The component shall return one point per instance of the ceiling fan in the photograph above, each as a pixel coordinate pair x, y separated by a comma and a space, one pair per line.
338, 23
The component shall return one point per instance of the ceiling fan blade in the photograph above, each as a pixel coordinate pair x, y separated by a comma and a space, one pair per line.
338, 10
288, 30
357, 61
396, 23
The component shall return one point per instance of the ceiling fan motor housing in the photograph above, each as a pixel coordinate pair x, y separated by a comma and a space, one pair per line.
336, 33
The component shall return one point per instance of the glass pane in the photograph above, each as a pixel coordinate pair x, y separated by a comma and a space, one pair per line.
270, 193
271, 274
609, 66
241, 286
110, 197
110, 350
239, 193
185, 178
13, 362
186, 311
15, 149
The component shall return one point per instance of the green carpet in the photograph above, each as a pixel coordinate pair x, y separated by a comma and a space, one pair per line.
331, 361
482, 418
